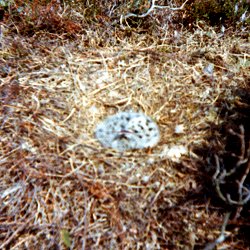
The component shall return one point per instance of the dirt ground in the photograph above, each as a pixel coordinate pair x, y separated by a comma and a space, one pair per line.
60, 189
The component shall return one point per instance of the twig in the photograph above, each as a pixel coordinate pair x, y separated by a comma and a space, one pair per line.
222, 236
15, 234
152, 7
220, 176
85, 219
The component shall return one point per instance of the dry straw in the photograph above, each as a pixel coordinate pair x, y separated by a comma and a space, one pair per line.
60, 187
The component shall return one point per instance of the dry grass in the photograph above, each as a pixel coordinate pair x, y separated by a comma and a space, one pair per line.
60, 188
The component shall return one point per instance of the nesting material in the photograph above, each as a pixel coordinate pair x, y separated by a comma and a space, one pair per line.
128, 130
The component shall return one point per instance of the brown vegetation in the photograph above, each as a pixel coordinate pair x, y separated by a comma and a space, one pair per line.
66, 66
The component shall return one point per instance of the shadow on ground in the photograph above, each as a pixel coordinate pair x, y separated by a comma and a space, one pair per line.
221, 171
